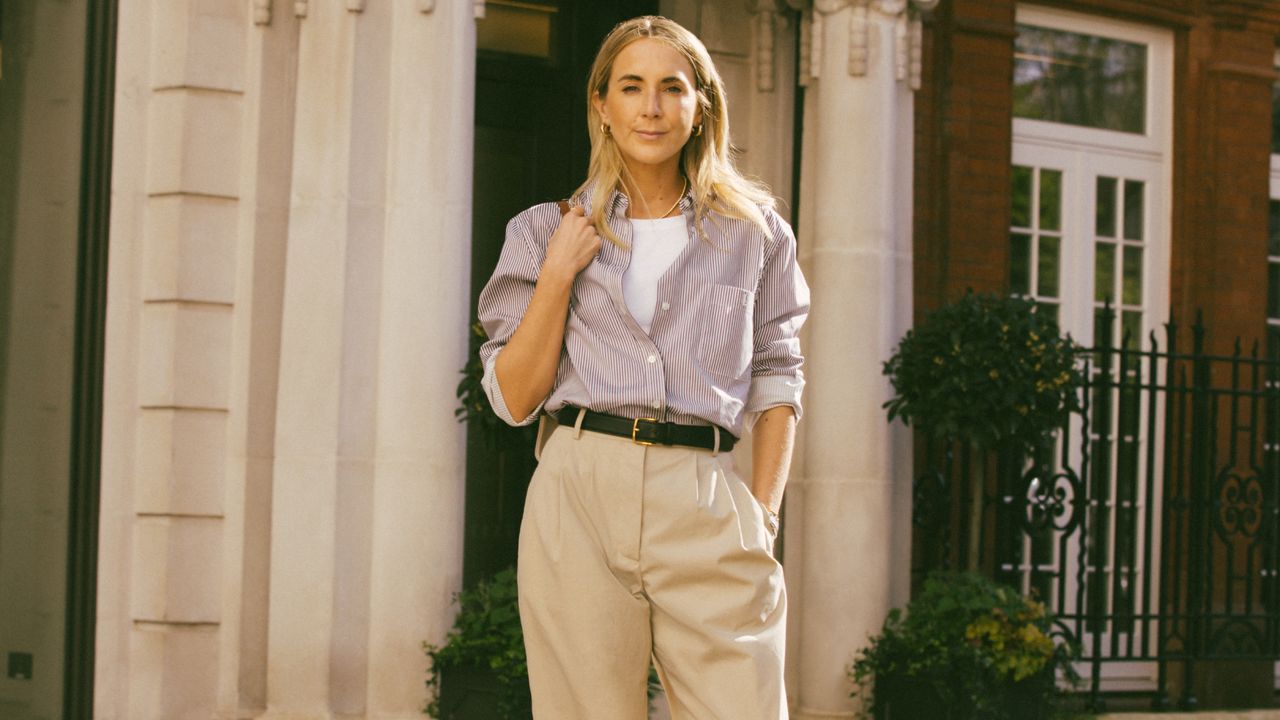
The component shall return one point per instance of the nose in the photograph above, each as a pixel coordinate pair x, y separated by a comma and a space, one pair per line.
653, 104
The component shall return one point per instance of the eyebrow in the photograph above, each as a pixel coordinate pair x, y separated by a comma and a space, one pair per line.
637, 78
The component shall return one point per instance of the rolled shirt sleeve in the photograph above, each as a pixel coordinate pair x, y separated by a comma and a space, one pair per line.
502, 306
782, 306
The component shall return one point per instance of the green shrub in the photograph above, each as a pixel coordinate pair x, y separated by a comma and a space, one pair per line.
486, 633
986, 370
972, 641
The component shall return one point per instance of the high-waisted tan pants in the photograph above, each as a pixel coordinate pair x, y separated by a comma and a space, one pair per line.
629, 550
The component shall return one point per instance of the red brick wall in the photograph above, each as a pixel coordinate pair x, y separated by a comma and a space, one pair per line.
964, 146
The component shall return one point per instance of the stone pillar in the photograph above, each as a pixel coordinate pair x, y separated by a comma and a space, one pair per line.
366, 530
850, 506
421, 459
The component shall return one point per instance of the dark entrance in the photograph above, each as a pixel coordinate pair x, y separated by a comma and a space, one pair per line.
531, 146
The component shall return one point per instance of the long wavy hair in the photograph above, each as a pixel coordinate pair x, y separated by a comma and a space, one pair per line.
706, 159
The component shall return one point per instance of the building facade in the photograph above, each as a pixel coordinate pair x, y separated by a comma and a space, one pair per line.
300, 199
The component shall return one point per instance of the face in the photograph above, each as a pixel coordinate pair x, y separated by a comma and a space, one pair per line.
651, 104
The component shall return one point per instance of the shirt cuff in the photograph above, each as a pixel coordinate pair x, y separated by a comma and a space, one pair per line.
494, 391
768, 391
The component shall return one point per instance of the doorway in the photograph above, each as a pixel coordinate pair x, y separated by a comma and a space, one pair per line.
531, 146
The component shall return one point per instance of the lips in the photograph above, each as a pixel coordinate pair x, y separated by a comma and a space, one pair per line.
649, 135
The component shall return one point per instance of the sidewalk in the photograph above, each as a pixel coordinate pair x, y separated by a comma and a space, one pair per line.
1274, 714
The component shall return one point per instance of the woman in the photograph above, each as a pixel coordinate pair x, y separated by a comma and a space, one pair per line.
655, 320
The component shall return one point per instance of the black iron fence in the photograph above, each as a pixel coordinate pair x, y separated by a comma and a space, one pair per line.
1149, 528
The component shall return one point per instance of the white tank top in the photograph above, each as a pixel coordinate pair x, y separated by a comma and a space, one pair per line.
655, 244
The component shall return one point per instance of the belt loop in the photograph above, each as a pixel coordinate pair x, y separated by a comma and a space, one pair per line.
577, 424
715, 449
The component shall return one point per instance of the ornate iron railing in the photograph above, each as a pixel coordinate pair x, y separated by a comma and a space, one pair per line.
1149, 529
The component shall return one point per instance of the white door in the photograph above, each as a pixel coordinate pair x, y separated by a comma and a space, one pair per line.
1090, 229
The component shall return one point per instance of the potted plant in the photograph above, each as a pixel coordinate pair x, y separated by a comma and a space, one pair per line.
988, 370
965, 649
479, 672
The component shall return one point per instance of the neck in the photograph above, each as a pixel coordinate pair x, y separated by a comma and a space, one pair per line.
653, 191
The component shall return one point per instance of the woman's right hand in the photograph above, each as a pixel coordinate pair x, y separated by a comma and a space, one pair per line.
526, 367
572, 246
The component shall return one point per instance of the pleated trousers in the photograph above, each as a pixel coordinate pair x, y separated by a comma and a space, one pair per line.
631, 552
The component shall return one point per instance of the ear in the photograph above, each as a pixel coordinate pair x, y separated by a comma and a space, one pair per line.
598, 102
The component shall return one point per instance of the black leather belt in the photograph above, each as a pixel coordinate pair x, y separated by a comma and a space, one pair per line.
648, 431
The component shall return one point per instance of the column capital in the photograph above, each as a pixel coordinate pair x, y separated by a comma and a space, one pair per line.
892, 8
908, 34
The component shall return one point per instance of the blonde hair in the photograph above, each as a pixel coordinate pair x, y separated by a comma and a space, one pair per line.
706, 159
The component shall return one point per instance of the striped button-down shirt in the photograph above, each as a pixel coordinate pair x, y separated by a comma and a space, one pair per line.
723, 342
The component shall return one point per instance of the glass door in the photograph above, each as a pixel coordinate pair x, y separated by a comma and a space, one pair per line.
1089, 236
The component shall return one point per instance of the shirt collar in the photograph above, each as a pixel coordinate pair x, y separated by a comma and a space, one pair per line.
618, 201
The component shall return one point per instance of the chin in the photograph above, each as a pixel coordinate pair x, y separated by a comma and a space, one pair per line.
652, 156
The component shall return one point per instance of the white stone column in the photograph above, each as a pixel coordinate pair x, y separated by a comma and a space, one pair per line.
367, 494
262, 233
323, 448
847, 523
426, 269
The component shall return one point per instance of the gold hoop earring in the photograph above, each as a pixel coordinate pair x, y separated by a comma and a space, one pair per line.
697, 131
604, 130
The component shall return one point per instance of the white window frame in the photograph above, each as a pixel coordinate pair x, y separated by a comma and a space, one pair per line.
1275, 195
1146, 156
1271, 259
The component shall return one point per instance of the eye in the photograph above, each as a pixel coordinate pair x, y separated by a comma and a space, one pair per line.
630, 89
675, 89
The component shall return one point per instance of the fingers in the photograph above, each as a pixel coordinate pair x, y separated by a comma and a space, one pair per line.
575, 243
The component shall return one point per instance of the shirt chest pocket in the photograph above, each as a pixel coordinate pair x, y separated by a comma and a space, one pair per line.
724, 346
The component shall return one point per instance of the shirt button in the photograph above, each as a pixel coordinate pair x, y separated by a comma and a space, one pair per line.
666, 306
657, 404
653, 359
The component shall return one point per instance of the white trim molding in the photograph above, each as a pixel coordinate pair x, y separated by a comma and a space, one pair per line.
908, 35
768, 15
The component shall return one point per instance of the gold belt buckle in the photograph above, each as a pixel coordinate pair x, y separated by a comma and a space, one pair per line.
635, 427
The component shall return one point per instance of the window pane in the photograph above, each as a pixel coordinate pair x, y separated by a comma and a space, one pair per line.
1021, 196
1101, 338
1104, 273
1273, 243
1133, 204
1047, 282
1079, 79
516, 28
1020, 264
1132, 275
1273, 290
1050, 199
1131, 329
1275, 119
1049, 309
1106, 222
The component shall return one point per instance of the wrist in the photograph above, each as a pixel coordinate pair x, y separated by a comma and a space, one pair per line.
555, 277
771, 517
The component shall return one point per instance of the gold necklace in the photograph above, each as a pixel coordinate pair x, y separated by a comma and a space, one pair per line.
677, 202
